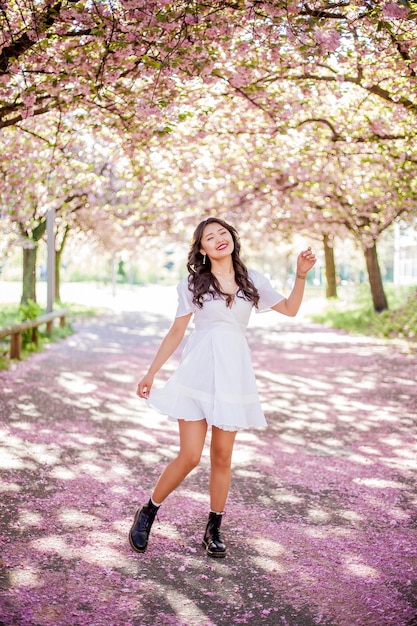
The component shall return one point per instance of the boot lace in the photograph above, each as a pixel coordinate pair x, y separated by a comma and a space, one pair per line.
145, 521
215, 534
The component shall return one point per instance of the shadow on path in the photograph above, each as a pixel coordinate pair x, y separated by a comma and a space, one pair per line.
321, 522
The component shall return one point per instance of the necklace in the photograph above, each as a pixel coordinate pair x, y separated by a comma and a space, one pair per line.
230, 281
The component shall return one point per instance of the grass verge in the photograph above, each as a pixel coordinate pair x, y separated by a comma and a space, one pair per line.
359, 316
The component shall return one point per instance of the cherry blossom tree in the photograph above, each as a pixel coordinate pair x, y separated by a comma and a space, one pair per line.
35, 176
89, 180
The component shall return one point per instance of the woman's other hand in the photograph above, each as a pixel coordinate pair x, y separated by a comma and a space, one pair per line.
144, 387
305, 261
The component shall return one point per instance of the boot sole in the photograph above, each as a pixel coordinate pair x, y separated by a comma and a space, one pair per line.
214, 555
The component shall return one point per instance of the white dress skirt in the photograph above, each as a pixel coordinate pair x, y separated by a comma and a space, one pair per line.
215, 380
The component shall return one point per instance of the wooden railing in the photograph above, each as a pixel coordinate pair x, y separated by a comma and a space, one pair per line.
15, 331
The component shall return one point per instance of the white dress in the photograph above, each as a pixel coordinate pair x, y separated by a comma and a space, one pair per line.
215, 379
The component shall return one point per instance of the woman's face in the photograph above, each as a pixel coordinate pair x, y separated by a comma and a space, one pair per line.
216, 241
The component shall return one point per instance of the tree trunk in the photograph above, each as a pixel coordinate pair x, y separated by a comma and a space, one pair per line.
57, 292
375, 280
29, 261
330, 268
58, 258
29, 274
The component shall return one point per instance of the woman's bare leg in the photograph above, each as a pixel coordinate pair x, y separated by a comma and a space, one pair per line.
221, 449
192, 437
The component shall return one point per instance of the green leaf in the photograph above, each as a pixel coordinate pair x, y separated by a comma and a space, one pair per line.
183, 116
151, 62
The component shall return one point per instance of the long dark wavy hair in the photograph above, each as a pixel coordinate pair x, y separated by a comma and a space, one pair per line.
201, 281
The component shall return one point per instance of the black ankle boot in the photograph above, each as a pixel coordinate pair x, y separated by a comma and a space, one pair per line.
212, 541
142, 524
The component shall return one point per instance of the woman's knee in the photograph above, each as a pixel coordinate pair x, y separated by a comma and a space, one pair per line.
221, 459
189, 460
192, 437
222, 449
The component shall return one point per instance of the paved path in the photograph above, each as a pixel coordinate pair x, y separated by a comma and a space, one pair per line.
321, 521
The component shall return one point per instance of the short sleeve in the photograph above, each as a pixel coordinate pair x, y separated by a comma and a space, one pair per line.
268, 296
185, 300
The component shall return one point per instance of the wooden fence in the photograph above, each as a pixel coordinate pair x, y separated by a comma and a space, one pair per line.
15, 331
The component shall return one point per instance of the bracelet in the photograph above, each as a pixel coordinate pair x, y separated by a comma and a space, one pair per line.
303, 277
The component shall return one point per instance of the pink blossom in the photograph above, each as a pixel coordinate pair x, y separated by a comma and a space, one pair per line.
329, 39
394, 11
190, 19
293, 7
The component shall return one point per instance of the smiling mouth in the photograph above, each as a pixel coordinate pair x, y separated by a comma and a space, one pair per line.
222, 246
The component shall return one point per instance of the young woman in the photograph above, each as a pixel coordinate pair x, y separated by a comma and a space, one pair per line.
214, 384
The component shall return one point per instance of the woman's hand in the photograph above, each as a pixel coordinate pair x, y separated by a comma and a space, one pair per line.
305, 261
144, 386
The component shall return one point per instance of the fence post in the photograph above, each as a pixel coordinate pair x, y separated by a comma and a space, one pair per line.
15, 345
35, 336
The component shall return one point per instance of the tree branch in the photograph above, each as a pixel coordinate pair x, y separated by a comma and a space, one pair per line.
320, 120
326, 13
242, 93
24, 43
356, 80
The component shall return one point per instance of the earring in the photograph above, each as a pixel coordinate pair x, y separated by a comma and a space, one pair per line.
204, 259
